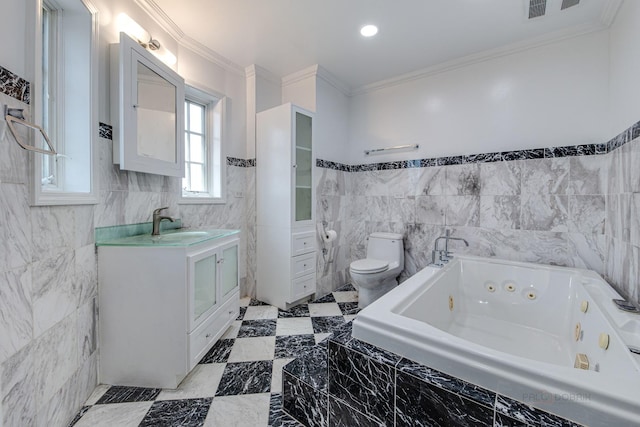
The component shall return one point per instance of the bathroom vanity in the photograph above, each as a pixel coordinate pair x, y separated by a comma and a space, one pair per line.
164, 301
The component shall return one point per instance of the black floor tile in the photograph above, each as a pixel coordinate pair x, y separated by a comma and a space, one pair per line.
348, 308
326, 324
219, 353
256, 302
243, 310
293, 345
301, 310
185, 412
121, 394
245, 378
257, 328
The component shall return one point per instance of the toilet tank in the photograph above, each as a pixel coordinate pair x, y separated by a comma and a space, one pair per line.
386, 246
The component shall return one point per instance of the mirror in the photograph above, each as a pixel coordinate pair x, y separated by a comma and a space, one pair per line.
147, 111
156, 110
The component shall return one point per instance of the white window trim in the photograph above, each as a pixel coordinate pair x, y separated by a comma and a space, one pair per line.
38, 197
208, 97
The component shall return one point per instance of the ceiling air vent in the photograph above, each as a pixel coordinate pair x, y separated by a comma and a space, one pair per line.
568, 3
537, 8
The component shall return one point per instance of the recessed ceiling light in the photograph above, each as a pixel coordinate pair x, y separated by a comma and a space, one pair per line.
369, 30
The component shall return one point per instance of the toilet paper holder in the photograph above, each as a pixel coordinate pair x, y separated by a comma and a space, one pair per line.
327, 236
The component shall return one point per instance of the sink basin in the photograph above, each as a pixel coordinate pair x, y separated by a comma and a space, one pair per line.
181, 235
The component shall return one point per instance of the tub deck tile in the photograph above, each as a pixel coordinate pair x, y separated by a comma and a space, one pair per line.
363, 383
421, 404
342, 334
447, 382
303, 402
373, 352
311, 368
504, 421
343, 415
530, 415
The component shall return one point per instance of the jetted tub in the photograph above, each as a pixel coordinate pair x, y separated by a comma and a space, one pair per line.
516, 328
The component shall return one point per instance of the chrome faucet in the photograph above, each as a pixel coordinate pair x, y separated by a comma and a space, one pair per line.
440, 257
157, 218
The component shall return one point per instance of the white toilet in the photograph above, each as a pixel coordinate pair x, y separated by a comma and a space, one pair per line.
377, 273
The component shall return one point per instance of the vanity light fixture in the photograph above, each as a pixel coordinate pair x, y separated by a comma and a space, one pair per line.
127, 25
369, 30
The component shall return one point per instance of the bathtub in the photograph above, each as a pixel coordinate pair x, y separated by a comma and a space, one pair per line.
516, 328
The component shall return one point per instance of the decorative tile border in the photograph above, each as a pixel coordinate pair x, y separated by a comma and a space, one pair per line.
243, 163
105, 131
15, 86
628, 135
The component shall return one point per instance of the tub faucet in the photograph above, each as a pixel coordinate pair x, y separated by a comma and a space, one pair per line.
440, 257
157, 218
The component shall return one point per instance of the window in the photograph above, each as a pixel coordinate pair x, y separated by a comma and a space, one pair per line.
204, 180
65, 101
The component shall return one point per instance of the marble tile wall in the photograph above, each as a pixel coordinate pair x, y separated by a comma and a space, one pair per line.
622, 229
48, 270
331, 203
570, 206
549, 210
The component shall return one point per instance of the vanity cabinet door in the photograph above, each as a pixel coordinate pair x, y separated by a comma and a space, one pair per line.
229, 271
203, 271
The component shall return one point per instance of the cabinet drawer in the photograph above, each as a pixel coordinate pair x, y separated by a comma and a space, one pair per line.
302, 243
302, 287
303, 265
205, 335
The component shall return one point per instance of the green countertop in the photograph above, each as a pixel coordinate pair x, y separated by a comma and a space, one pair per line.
175, 238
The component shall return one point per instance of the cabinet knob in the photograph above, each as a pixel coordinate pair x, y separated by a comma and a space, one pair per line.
295, 166
208, 336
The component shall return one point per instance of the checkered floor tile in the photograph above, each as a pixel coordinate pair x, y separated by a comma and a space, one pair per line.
239, 381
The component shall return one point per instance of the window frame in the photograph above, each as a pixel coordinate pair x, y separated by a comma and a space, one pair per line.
40, 195
212, 101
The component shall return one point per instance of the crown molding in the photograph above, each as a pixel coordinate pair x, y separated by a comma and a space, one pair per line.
324, 74
298, 76
318, 72
168, 25
476, 58
154, 11
257, 71
609, 12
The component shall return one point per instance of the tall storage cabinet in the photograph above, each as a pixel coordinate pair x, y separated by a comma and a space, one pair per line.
286, 242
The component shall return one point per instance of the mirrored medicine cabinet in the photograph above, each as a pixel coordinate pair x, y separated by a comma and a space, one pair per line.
147, 111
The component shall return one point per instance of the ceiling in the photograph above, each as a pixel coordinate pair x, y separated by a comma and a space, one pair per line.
286, 36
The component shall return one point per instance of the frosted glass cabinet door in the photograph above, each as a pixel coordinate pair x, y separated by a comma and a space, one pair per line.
229, 282
303, 162
204, 285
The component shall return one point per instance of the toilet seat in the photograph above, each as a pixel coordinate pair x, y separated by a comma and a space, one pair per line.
369, 266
